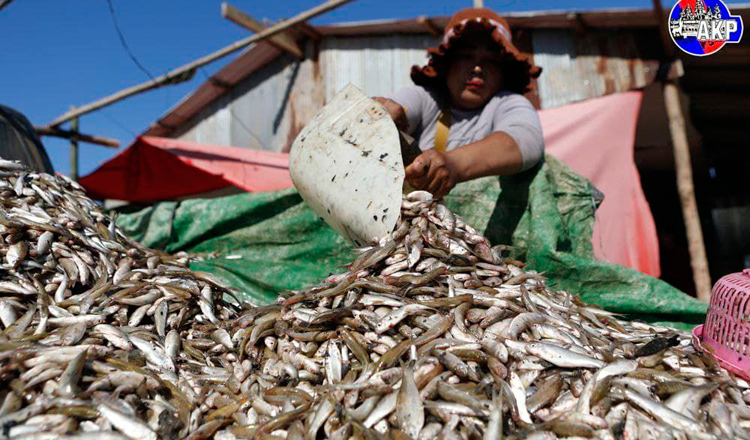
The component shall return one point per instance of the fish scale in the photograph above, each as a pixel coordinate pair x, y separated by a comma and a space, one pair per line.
482, 345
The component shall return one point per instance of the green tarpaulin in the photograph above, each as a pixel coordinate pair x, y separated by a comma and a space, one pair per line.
269, 242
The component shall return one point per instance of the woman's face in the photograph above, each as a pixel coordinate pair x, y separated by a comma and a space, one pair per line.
474, 75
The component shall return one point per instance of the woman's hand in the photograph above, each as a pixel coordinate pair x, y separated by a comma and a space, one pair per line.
434, 172
496, 155
397, 112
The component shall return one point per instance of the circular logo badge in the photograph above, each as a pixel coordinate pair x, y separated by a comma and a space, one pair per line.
703, 27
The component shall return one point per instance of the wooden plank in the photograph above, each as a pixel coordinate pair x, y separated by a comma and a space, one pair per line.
189, 68
68, 134
4, 3
430, 26
686, 189
282, 40
74, 151
684, 168
618, 19
607, 19
310, 31
624, 19
380, 27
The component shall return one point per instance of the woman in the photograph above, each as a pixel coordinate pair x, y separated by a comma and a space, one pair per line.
467, 111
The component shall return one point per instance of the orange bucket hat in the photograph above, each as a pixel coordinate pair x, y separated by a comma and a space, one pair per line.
518, 71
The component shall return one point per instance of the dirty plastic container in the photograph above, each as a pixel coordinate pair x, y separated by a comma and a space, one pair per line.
726, 333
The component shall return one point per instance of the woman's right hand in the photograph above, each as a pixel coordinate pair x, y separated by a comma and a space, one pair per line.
397, 112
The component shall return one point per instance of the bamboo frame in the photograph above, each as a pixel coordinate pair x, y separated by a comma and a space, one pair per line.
4, 3
282, 40
187, 70
68, 134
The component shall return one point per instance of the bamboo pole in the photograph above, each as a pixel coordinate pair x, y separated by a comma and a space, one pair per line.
74, 151
67, 134
686, 189
684, 169
187, 70
4, 3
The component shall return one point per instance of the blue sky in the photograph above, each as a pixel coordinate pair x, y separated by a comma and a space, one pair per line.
56, 54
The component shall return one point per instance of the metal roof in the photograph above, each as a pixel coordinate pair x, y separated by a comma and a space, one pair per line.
583, 52
609, 18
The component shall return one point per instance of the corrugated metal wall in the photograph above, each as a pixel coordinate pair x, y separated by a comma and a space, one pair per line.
268, 109
251, 115
379, 65
580, 67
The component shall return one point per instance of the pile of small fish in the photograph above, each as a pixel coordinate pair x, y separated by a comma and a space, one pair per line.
430, 334
102, 338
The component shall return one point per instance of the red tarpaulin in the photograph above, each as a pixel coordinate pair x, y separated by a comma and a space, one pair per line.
156, 168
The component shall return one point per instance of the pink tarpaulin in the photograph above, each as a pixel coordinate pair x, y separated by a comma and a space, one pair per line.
156, 168
596, 138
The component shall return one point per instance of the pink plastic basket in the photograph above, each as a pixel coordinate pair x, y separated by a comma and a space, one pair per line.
726, 332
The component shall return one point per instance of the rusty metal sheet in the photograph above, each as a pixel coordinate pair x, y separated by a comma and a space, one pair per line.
578, 67
263, 111
269, 106
267, 109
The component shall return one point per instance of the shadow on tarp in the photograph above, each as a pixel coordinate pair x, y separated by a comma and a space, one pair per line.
271, 242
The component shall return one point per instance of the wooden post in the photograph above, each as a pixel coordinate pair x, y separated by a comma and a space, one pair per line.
430, 26
478, 3
684, 168
684, 171
74, 150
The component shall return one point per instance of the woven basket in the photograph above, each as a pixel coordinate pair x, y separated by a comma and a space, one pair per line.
726, 333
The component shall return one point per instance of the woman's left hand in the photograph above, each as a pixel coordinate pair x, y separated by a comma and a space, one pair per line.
434, 172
